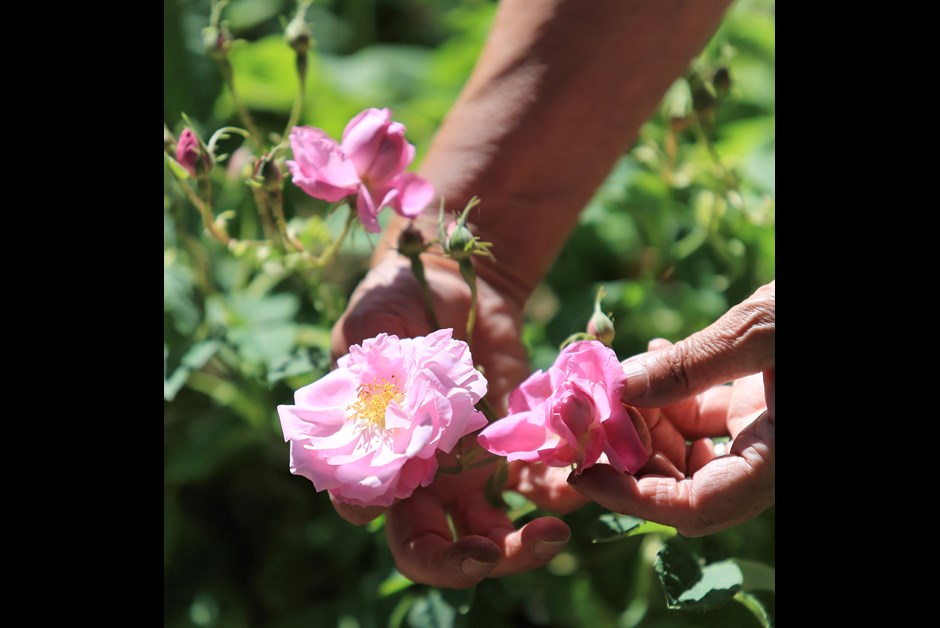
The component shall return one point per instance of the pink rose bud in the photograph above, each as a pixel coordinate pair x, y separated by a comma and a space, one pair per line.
297, 32
601, 327
459, 242
722, 81
217, 41
411, 242
189, 153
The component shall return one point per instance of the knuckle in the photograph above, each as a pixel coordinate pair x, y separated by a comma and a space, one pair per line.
679, 359
757, 324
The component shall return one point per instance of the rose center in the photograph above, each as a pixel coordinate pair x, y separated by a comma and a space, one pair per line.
373, 400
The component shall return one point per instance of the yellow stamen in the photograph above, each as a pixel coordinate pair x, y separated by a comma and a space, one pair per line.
373, 401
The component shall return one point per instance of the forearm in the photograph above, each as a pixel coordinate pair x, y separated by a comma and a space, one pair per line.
558, 94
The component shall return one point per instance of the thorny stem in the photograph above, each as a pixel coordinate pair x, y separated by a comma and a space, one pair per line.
470, 276
261, 200
484, 406
417, 269
301, 93
327, 256
208, 220
278, 195
228, 76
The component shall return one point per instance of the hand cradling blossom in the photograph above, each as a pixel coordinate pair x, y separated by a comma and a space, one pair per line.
369, 431
571, 415
370, 163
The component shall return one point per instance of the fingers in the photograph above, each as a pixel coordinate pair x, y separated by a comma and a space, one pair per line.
705, 414
695, 417
747, 402
546, 486
668, 442
525, 549
356, 515
701, 452
740, 343
387, 300
421, 542
725, 491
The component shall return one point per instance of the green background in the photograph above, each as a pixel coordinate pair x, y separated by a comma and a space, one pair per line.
682, 229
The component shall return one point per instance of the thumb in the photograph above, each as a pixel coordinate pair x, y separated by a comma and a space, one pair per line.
738, 344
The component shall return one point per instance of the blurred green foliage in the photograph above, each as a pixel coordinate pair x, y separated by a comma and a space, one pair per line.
682, 229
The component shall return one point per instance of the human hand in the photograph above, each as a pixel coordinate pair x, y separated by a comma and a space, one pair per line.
389, 300
678, 389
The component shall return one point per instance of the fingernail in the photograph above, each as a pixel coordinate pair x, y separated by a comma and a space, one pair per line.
547, 549
638, 380
475, 569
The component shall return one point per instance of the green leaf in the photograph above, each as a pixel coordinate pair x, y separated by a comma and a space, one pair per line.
761, 604
376, 524
398, 614
395, 583
265, 77
177, 168
431, 611
757, 576
613, 527
297, 363
195, 358
691, 586
519, 506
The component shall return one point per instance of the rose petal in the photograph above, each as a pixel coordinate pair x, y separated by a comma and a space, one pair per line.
624, 447
363, 136
414, 194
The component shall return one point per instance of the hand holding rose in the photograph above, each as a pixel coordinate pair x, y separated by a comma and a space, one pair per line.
689, 487
419, 537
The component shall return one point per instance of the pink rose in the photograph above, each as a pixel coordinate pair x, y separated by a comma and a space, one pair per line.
570, 415
370, 162
188, 151
369, 432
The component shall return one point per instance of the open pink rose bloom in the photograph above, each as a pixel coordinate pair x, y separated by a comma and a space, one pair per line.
570, 415
369, 432
370, 163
